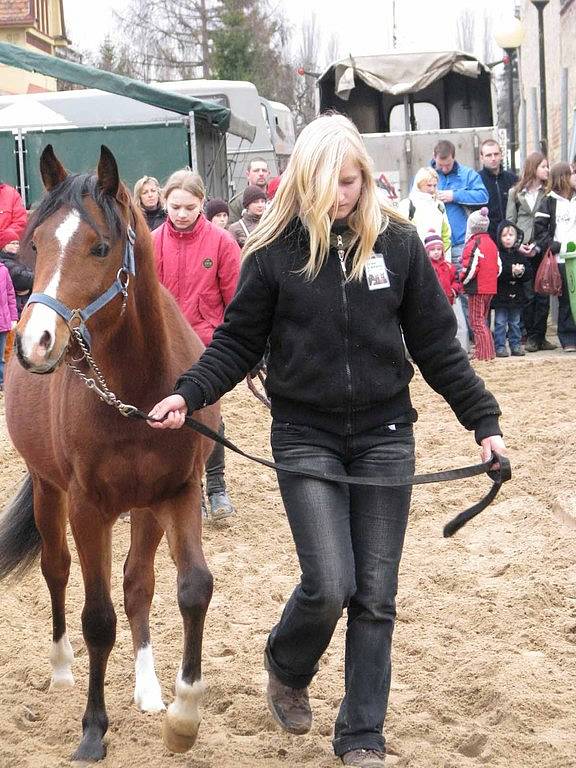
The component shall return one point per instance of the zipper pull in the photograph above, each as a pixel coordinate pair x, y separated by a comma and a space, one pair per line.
341, 252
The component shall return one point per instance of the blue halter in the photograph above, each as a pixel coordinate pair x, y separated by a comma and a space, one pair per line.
120, 285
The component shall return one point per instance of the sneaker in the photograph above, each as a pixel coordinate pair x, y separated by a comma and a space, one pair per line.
532, 345
290, 707
220, 505
366, 758
570, 348
517, 352
502, 352
548, 346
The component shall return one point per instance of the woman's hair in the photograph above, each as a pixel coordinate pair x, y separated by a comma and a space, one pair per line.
559, 180
139, 185
309, 190
529, 172
424, 175
186, 180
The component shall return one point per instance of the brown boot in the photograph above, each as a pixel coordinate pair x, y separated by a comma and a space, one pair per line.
289, 706
364, 758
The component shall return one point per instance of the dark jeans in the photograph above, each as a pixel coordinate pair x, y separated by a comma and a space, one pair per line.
566, 324
215, 482
507, 324
349, 542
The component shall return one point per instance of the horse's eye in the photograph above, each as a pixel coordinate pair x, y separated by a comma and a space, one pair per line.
33, 246
100, 250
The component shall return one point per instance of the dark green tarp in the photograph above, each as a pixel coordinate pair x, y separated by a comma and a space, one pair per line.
14, 56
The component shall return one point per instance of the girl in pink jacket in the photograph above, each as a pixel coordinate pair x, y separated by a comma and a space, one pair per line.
8, 314
199, 264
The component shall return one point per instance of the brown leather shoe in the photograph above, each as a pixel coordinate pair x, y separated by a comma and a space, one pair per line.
548, 346
289, 706
364, 758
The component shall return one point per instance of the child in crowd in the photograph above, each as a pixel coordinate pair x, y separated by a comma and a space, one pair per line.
218, 212
254, 205
425, 211
511, 293
445, 272
8, 314
480, 269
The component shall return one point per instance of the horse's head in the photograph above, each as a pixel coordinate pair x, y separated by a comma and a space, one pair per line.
79, 234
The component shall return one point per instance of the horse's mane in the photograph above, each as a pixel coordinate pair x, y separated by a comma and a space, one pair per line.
73, 192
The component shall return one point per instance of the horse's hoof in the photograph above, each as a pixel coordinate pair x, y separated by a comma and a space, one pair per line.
149, 700
178, 742
90, 751
59, 682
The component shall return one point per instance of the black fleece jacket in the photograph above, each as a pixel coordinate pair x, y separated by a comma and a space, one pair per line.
337, 359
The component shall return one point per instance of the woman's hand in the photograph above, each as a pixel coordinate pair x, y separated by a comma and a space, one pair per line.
174, 408
494, 444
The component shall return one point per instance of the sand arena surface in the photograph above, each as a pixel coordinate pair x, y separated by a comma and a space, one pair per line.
485, 645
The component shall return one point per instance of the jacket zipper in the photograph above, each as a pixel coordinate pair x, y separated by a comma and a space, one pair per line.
342, 257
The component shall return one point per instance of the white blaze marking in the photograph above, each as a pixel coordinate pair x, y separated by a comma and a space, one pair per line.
42, 318
147, 691
184, 712
61, 658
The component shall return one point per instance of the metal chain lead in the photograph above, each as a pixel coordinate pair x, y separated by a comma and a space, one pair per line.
98, 383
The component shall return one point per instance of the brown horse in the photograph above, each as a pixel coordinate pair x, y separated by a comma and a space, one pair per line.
87, 464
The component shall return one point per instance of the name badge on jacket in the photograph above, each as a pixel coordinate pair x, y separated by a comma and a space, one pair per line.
376, 272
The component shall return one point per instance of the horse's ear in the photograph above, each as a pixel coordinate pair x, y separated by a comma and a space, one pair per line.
108, 178
51, 169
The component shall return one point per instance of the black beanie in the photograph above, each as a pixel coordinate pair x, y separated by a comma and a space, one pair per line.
216, 206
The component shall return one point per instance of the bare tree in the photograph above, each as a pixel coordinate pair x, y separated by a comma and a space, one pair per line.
308, 63
488, 39
465, 30
332, 49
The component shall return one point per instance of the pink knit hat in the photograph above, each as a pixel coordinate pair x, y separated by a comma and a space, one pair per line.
433, 240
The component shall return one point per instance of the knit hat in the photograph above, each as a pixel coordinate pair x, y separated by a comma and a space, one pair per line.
477, 223
215, 206
273, 185
432, 240
253, 193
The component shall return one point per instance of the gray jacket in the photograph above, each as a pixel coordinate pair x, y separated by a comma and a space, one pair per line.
519, 212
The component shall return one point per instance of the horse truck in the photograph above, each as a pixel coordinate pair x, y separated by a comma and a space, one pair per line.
404, 103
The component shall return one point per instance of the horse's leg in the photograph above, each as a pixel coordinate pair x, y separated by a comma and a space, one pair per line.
181, 519
92, 534
50, 517
145, 535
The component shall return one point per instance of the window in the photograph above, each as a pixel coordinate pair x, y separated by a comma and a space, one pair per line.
427, 117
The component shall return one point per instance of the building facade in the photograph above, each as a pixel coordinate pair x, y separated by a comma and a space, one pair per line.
559, 45
37, 25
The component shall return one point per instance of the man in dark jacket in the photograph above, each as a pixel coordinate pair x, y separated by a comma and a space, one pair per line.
497, 181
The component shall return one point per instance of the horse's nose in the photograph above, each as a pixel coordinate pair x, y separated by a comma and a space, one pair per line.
45, 343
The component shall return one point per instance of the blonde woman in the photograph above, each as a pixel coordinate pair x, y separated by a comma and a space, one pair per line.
147, 195
425, 211
333, 280
198, 263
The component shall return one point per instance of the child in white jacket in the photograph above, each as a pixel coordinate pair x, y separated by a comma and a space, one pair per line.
425, 211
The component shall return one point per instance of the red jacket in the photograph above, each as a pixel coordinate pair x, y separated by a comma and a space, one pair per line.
481, 265
12, 215
200, 269
447, 277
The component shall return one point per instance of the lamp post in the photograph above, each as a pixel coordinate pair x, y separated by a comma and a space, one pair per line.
509, 36
540, 5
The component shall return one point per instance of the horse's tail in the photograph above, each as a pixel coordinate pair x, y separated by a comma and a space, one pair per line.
20, 540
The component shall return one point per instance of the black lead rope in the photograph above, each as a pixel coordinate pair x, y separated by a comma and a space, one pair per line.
497, 468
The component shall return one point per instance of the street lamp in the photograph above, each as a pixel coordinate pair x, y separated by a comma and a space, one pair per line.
509, 36
540, 5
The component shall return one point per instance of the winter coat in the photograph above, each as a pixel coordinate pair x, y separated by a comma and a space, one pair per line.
480, 265
22, 277
8, 310
155, 217
13, 215
448, 278
511, 291
498, 186
337, 359
427, 213
468, 189
200, 269
554, 225
242, 228
519, 212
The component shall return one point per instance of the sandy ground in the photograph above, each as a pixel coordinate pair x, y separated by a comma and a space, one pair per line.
485, 644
